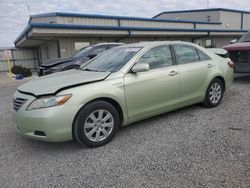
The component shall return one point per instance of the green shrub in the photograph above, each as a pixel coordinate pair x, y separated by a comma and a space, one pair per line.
21, 70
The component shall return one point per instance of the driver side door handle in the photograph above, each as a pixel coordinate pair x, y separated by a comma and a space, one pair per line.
173, 73
209, 65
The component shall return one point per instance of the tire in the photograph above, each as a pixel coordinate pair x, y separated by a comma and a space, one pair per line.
96, 124
214, 93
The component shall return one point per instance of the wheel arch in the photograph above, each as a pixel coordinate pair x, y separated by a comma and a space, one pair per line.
222, 79
218, 76
106, 99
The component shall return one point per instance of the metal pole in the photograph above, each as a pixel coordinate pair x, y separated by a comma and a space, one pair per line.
29, 10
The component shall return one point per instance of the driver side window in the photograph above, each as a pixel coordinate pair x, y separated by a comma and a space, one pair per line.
157, 57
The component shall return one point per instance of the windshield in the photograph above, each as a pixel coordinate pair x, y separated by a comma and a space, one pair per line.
245, 38
83, 52
111, 60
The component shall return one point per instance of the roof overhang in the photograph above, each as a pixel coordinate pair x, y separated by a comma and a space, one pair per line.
36, 33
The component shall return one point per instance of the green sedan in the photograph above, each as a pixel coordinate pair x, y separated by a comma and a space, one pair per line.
123, 85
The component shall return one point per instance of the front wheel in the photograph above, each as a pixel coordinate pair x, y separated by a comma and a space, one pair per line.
96, 124
214, 93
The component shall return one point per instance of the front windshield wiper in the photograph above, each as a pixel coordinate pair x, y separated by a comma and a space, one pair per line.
87, 69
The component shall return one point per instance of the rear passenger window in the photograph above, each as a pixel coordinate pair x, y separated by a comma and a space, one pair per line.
203, 56
157, 57
186, 54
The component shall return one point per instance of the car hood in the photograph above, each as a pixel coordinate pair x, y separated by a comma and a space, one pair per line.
55, 83
58, 61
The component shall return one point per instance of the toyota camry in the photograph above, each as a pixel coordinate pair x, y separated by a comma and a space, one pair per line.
123, 85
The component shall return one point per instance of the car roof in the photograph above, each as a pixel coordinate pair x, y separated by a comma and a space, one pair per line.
110, 43
154, 43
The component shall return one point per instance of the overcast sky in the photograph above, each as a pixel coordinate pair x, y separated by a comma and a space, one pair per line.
14, 13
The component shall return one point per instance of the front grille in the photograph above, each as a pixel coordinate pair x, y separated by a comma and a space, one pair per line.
18, 103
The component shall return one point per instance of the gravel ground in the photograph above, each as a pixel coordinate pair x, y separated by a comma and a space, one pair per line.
191, 147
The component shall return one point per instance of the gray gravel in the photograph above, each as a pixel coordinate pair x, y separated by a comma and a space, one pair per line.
191, 147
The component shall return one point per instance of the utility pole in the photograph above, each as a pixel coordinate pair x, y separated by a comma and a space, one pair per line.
28, 9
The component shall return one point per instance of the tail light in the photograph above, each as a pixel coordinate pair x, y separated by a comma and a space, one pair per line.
231, 64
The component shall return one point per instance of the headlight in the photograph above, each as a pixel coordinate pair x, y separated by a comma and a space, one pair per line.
46, 102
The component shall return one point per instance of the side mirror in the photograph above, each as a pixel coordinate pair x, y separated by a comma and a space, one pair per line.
140, 67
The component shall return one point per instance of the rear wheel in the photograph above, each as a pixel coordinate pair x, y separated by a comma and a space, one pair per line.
214, 93
96, 124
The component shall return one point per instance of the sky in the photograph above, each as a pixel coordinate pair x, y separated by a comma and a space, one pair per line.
14, 14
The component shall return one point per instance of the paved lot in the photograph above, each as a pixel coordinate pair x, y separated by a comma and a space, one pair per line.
192, 147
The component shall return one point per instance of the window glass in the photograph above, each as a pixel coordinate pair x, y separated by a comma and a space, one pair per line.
157, 57
98, 50
83, 52
111, 60
113, 45
185, 54
203, 56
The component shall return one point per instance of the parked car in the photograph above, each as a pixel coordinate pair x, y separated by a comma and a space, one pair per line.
120, 86
81, 57
239, 52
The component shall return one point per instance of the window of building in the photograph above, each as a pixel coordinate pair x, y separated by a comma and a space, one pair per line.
80, 45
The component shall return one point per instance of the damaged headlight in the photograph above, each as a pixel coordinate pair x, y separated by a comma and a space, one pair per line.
49, 101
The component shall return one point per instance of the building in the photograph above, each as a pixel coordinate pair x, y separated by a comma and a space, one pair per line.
60, 34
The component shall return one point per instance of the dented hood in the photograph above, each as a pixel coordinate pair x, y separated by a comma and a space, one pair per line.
54, 83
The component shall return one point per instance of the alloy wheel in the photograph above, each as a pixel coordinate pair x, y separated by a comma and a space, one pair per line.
98, 125
215, 93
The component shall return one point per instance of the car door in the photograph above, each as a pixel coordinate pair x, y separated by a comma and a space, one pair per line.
194, 68
154, 90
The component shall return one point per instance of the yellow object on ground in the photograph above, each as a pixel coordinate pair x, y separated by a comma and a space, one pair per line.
7, 54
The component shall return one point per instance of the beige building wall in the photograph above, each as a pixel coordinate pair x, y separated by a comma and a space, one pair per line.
48, 50
194, 16
246, 21
230, 20
67, 46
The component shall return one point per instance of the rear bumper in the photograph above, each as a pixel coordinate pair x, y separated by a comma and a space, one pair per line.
229, 78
